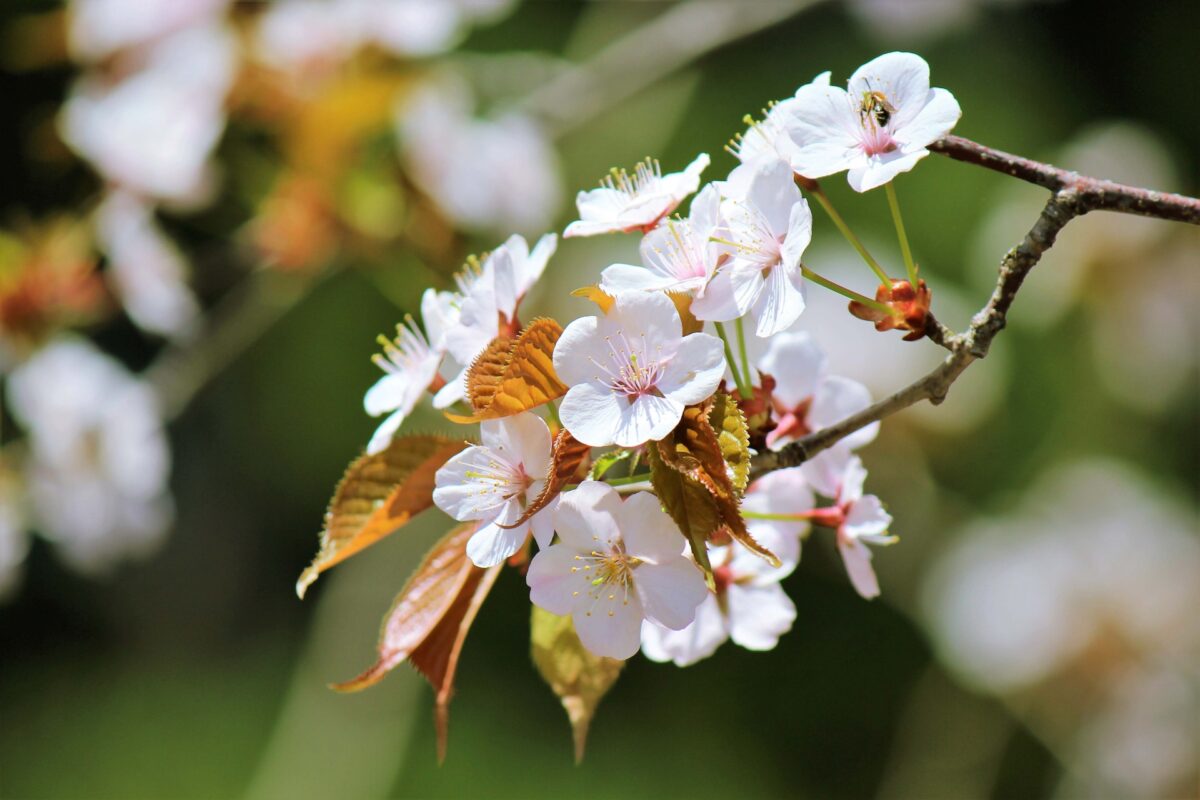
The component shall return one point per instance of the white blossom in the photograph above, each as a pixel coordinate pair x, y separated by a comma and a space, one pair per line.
632, 372
99, 28
96, 437
769, 226
495, 482
878, 127
749, 606
677, 256
769, 139
860, 519
627, 202
616, 564
410, 366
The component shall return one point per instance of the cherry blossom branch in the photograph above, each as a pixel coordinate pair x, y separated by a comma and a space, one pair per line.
1073, 195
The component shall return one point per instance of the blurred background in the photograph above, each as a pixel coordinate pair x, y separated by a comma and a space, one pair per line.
211, 209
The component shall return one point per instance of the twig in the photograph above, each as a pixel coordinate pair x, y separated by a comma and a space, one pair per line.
1073, 195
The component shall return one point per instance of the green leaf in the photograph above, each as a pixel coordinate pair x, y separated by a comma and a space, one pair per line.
577, 676
607, 461
688, 503
733, 436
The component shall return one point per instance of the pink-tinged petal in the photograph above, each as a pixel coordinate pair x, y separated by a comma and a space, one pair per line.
759, 615
542, 525
610, 626
857, 558
522, 439
647, 418
837, 398
697, 641
460, 492
578, 349
799, 234
587, 517
670, 591
903, 78
730, 294
384, 433
491, 544
797, 363
854, 476
780, 303
825, 129
454, 390
648, 533
628, 278
552, 584
938, 117
867, 520
695, 371
882, 169
593, 414
825, 470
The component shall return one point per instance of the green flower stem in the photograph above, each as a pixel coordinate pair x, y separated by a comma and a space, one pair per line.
743, 389
821, 280
818, 193
741, 334
779, 517
552, 412
899, 221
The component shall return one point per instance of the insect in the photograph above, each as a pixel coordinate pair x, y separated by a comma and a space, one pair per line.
876, 105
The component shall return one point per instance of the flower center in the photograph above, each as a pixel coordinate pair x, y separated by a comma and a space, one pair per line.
609, 573
630, 369
645, 178
404, 353
497, 477
875, 115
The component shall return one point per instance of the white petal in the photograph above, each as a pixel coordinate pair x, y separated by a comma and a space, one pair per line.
627, 278
647, 419
730, 294
797, 363
439, 312
867, 519
579, 346
881, 169
542, 524
648, 533
938, 117
521, 440
389, 393
773, 192
491, 544
384, 433
854, 476
695, 370
610, 627
824, 128
535, 264
593, 414
857, 558
780, 304
759, 615
641, 314
838, 398
589, 516
454, 390
670, 591
460, 492
903, 78
825, 470
799, 234
697, 641
552, 584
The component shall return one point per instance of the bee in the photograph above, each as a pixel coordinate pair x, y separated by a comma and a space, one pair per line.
875, 105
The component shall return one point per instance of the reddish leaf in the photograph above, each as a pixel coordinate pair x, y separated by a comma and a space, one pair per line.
511, 376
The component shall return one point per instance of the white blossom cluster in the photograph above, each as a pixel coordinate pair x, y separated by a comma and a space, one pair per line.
609, 555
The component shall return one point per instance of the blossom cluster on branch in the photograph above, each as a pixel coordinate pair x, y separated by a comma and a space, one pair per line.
669, 454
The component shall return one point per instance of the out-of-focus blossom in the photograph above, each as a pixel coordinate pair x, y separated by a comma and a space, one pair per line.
627, 202
496, 175
487, 304
919, 20
875, 129
152, 131
495, 482
749, 606
410, 366
677, 256
100, 28
769, 227
632, 371
295, 230
616, 564
859, 519
48, 279
98, 461
146, 269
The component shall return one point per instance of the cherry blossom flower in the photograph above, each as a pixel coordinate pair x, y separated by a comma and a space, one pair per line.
627, 202
859, 519
485, 174
410, 366
490, 296
96, 436
769, 226
99, 28
632, 372
806, 397
678, 256
494, 482
616, 564
749, 606
878, 127
769, 139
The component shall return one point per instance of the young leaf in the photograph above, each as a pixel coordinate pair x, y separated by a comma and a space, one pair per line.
727, 420
689, 504
568, 455
377, 495
576, 676
428, 622
511, 376
606, 462
683, 304
597, 295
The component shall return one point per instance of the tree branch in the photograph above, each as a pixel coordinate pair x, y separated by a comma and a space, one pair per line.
1073, 195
